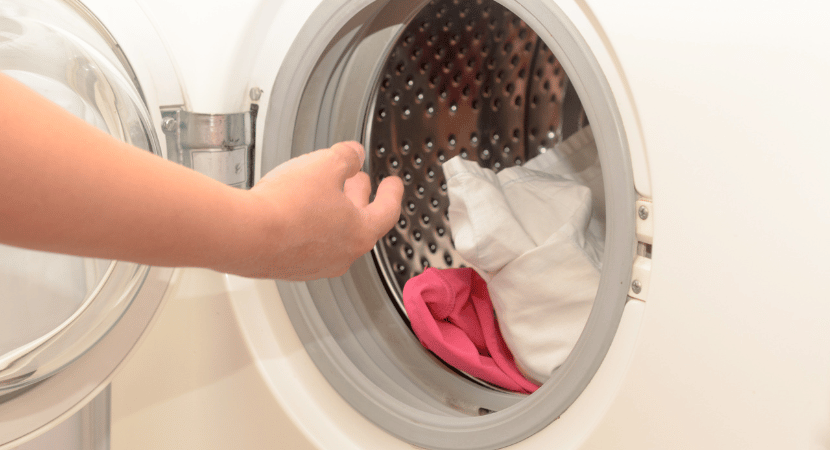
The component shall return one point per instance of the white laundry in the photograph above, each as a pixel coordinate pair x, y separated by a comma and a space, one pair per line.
535, 235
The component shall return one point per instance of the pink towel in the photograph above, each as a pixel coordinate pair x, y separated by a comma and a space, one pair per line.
452, 316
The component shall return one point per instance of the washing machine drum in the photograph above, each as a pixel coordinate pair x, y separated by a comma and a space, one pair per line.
479, 84
494, 83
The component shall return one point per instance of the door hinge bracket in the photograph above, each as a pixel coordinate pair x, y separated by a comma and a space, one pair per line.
220, 146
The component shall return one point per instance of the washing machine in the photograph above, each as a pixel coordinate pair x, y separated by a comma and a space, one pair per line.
708, 325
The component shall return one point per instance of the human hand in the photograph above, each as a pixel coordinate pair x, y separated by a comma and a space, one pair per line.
311, 216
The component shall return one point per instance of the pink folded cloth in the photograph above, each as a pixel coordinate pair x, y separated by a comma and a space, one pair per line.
452, 315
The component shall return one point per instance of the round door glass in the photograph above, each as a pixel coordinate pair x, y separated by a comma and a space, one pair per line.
53, 307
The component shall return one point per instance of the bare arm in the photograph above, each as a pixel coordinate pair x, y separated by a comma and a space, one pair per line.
67, 187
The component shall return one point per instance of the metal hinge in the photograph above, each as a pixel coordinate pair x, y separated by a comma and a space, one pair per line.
220, 146
641, 273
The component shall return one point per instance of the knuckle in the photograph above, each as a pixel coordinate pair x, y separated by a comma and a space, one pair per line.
344, 155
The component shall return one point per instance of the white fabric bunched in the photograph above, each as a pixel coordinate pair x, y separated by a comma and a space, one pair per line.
535, 233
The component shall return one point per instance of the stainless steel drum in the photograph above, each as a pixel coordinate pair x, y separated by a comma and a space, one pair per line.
469, 79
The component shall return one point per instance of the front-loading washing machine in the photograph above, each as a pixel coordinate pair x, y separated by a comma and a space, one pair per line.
707, 327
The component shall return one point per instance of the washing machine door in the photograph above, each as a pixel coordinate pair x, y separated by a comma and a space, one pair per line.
66, 322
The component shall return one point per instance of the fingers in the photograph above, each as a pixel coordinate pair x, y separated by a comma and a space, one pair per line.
384, 211
347, 158
357, 189
340, 162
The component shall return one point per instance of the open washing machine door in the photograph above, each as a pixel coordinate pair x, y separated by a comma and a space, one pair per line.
418, 83
346, 58
67, 323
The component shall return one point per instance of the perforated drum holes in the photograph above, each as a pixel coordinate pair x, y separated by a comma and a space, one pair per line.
463, 79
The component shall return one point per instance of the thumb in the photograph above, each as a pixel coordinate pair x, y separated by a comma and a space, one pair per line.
346, 159
384, 210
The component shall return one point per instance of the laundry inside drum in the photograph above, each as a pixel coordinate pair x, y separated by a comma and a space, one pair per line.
471, 80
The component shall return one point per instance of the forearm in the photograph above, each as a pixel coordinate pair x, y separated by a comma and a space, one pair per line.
70, 188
